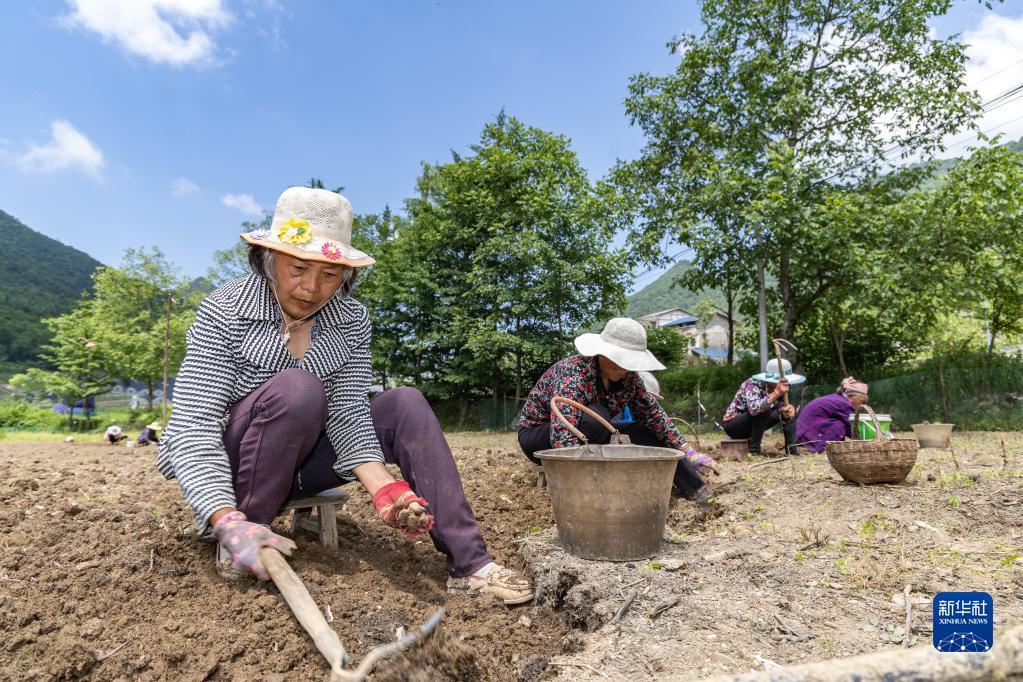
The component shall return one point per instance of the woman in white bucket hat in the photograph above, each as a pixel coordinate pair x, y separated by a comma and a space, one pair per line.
605, 378
758, 405
271, 404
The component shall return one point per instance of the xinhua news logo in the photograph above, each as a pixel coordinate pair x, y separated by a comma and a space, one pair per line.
963, 621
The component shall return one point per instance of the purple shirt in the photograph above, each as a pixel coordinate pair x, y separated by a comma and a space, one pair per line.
823, 419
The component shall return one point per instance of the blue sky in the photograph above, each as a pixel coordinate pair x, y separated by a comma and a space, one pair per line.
131, 123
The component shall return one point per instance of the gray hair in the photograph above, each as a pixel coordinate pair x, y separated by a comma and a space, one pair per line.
262, 261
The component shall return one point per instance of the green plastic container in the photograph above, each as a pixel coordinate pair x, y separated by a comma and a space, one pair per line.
867, 425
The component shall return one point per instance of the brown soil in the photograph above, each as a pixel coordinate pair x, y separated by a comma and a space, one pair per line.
793, 565
97, 550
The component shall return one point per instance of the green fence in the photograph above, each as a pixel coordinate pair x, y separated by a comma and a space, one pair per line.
976, 398
981, 392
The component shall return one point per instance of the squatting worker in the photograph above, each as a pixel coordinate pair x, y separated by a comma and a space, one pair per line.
827, 418
604, 377
271, 404
757, 406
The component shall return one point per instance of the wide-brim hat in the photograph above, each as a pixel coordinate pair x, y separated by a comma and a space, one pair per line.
771, 375
623, 342
115, 430
311, 224
155, 426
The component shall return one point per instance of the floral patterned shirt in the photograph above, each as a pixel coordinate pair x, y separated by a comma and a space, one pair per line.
751, 398
578, 378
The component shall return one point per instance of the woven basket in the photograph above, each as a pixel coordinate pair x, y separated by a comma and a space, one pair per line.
882, 460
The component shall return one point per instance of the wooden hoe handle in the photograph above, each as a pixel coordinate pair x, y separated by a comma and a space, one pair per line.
304, 608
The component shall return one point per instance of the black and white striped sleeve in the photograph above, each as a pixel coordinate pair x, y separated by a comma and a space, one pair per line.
349, 425
202, 394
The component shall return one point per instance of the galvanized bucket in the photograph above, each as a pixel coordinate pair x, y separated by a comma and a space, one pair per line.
610, 501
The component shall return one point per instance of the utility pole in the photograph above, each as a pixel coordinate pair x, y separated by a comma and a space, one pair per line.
762, 315
166, 354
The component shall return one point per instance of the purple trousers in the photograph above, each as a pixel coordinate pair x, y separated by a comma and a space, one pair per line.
278, 450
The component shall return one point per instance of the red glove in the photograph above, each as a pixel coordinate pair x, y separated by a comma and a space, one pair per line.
399, 508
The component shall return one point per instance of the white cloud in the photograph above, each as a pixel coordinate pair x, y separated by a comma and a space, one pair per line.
68, 148
183, 187
995, 66
177, 32
243, 202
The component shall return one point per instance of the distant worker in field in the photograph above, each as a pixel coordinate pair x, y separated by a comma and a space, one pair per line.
605, 378
114, 435
271, 404
827, 418
758, 405
150, 434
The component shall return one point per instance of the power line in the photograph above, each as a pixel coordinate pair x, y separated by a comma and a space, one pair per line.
983, 80
655, 271
993, 104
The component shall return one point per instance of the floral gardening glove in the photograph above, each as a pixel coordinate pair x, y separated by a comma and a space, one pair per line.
243, 539
702, 463
399, 508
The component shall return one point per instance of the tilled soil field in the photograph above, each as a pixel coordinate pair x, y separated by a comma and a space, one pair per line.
102, 576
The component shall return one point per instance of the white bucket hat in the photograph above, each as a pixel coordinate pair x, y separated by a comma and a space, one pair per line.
312, 224
650, 383
771, 376
623, 342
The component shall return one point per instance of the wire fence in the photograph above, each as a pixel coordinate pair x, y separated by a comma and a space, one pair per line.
972, 398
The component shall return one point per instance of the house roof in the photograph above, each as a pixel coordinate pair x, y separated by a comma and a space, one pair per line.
662, 312
686, 319
715, 353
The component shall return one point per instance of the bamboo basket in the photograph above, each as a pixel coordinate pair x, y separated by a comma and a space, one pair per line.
882, 460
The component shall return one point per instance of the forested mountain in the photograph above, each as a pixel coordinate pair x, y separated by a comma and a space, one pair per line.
39, 278
661, 295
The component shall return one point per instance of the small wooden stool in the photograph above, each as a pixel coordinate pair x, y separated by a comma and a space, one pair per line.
734, 448
325, 523
541, 477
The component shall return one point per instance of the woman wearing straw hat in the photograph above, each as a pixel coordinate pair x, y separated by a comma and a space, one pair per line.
605, 378
758, 405
827, 418
150, 434
113, 434
270, 404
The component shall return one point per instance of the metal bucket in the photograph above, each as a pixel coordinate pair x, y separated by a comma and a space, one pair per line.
610, 501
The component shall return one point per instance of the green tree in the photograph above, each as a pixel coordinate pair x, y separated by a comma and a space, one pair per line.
775, 106
976, 221
667, 344
81, 361
522, 252
129, 312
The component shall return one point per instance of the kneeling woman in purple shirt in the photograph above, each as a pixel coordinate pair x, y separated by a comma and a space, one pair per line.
827, 418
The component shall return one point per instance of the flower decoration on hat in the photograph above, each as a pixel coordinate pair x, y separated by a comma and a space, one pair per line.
294, 231
259, 235
331, 251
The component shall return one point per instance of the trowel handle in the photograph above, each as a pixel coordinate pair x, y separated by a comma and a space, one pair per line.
576, 432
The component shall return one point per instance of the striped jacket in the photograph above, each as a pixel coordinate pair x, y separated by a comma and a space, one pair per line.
234, 346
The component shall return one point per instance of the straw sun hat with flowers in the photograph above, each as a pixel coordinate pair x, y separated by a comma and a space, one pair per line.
314, 225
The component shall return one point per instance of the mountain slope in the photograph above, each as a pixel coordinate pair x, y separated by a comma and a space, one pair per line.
39, 278
661, 295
